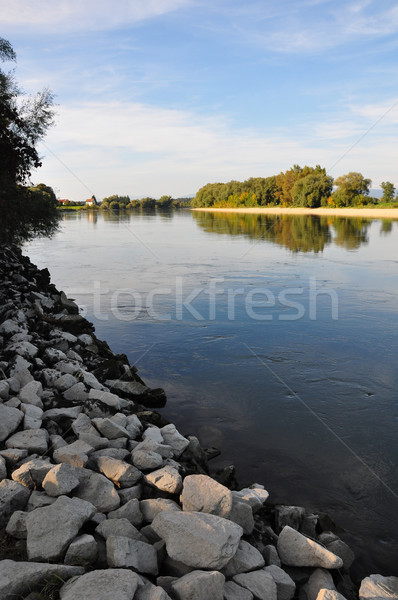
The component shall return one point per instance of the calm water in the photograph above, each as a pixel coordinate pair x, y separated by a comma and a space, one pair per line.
275, 339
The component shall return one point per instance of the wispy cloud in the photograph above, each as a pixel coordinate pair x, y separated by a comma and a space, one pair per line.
75, 15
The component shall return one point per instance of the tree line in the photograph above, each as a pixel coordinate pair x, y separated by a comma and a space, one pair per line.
309, 187
116, 202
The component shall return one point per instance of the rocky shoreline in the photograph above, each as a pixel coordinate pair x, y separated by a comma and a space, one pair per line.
99, 491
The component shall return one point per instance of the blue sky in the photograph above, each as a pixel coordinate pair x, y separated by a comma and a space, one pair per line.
164, 96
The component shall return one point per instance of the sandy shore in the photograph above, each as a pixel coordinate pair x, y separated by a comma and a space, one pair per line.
375, 213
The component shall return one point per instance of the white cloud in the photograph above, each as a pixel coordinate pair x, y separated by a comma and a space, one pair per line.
75, 15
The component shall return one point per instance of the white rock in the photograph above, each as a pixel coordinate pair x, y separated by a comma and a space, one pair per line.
247, 558
105, 398
10, 418
198, 539
82, 551
52, 528
203, 494
98, 490
17, 578
32, 473
130, 511
233, 591
33, 416
52, 355
75, 454
285, 586
259, 583
61, 480
90, 380
133, 426
319, 579
153, 506
63, 413
377, 587
76, 392
255, 496
296, 550
10, 327
83, 425
166, 479
109, 428
174, 439
65, 382
153, 433
119, 584
24, 349
146, 460
67, 366
131, 554
118, 471
150, 445
32, 440
199, 585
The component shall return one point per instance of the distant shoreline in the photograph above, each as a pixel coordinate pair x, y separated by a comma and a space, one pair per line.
383, 213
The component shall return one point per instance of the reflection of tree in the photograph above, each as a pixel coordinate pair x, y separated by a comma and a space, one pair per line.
386, 226
298, 233
350, 233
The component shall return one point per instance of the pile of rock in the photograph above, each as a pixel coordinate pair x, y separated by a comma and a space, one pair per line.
113, 499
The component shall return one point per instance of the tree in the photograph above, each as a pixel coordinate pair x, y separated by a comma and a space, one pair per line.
351, 189
25, 212
165, 202
148, 203
388, 191
313, 190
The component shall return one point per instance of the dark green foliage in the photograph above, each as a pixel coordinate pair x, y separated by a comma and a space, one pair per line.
165, 202
313, 190
148, 203
24, 212
388, 191
351, 189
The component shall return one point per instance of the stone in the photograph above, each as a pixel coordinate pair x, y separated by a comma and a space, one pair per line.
146, 460
289, 515
109, 428
285, 586
52, 355
154, 434
4, 389
118, 471
24, 349
296, 550
129, 388
203, 494
320, 579
255, 496
130, 493
94, 440
119, 527
151, 592
259, 583
271, 556
341, 549
75, 454
242, 514
57, 441
134, 426
233, 591
31, 393
117, 453
166, 479
247, 558
76, 392
10, 418
9, 327
174, 439
13, 496
18, 578
52, 528
60, 414
32, 473
119, 584
131, 554
67, 366
82, 424
199, 585
105, 398
130, 511
16, 526
32, 440
61, 480
3, 468
98, 490
82, 551
199, 540
33, 416
330, 595
38, 500
150, 445
377, 587
153, 506
65, 382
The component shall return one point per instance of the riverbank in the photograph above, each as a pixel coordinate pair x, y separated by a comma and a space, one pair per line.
96, 484
368, 213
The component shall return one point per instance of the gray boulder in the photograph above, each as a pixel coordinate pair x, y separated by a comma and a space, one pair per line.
35, 441
119, 527
32, 473
16, 526
259, 583
199, 585
130, 511
98, 490
198, 540
17, 579
255, 496
131, 554
76, 454
285, 586
118, 471
119, 584
295, 550
233, 591
52, 528
109, 428
152, 506
82, 551
61, 480
10, 418
13, 496
377, 587
203, 494
173, 438
320, 579
166, 479
247, 558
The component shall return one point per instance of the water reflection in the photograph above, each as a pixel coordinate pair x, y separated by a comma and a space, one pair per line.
298, 233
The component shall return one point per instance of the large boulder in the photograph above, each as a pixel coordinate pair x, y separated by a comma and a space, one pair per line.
285, 586
377, 587
128, 553
203, 494
118, 471
61, 480
173, 438
296, 550
167, 480
32, 440
13, 496
259, 583
98, 490
52, 528
200, 585
247, 558
17, 579
198, 540
118, 584
10, 418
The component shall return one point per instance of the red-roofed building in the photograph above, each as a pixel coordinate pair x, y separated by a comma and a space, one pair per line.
63, 200
91, 202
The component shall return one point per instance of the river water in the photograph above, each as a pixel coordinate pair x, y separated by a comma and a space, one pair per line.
275, 339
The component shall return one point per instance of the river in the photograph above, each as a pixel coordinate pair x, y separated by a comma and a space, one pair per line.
275, 338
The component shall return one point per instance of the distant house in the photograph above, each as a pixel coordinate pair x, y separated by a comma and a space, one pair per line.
63, 200
91, 202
